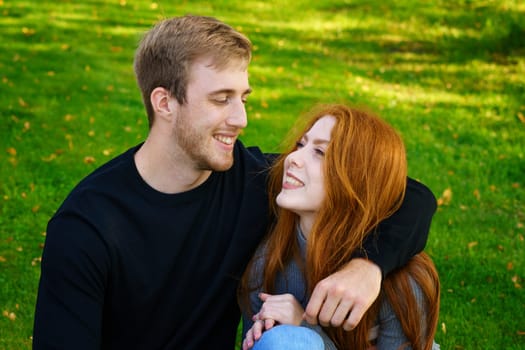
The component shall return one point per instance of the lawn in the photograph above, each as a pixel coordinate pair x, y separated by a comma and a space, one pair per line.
449, 75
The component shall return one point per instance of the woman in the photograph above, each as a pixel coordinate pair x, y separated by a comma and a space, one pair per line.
344, 176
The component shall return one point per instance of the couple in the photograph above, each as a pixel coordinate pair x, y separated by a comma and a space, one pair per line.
148, 250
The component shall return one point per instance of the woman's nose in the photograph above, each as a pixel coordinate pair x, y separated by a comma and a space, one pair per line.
294, 158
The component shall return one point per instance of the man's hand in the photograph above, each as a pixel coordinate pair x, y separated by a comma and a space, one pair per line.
343, 297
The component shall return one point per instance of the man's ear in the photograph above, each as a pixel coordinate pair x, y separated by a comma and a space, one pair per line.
160, 100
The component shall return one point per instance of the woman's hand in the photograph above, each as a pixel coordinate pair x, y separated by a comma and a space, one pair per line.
282, 309
253, 334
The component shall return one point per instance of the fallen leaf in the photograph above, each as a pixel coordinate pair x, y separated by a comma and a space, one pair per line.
89, 159
446, 197
510, 265
521, 117
444, 327
11, 151
516, 281
2, 259
28, 31
49, 158
472, 244
22, 103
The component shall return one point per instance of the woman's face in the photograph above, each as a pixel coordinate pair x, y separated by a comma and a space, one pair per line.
303, 179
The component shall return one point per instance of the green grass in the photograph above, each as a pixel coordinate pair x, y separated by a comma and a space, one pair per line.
449, 75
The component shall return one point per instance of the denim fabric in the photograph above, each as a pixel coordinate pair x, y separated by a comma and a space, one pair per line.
290, 338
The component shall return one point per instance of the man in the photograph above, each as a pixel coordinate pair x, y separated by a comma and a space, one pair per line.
146, 252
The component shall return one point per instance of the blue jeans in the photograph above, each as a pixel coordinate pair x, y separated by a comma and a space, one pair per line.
290, 338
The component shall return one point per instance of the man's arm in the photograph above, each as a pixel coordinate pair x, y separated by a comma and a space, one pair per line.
343, 297
405, 233
70, 298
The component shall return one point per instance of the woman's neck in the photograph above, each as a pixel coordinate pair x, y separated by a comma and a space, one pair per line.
306, 223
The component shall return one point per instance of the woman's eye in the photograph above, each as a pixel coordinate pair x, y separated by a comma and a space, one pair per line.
298, 145
319, 152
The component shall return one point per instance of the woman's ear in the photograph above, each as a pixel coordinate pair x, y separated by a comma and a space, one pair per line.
160, 100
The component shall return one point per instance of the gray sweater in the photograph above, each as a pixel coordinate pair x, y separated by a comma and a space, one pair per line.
387, 331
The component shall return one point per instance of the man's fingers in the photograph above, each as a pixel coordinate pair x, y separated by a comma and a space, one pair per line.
356, 313
341, 313
314, 304
327, 311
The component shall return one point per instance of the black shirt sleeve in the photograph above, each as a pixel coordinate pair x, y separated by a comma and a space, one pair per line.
71, 291
404, 234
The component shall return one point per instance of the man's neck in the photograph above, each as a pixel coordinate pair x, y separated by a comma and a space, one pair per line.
161, 168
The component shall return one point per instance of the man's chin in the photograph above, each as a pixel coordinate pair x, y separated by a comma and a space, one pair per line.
222, 165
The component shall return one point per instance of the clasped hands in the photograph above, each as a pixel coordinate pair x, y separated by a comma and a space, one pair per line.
341, 299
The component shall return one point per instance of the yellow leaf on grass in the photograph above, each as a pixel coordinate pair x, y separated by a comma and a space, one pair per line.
521, 117
11, 151
28, 31
89, 159
445, 198
9, 315
472, 244
516, 281
49, 158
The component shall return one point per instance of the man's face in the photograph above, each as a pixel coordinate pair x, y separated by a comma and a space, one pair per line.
208, 124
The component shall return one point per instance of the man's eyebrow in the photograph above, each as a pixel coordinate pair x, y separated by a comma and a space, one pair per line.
230, 91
